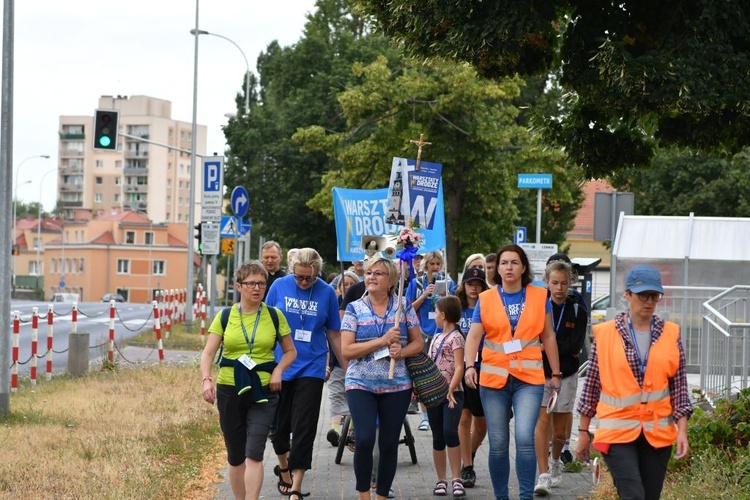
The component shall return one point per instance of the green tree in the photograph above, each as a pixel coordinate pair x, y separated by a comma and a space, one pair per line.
24, 209
297, 87
472, 125
639, 74
681, 181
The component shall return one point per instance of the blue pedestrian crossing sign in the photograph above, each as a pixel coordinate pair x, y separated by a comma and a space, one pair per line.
229, 227
240, 201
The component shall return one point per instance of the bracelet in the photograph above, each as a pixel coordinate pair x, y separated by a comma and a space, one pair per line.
472, 367
207, 378
557, 375
583, 430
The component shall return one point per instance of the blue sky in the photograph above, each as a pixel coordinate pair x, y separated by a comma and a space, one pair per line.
68, 53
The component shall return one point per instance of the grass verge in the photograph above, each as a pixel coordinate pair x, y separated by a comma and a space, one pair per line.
133, 433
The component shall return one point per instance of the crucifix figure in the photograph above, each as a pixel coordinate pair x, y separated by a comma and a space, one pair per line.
419, 144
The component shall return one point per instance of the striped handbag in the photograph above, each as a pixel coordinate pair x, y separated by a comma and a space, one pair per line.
429, 383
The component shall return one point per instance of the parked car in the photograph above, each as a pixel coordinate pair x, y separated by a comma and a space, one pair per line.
599, 309
113, 296
66, 297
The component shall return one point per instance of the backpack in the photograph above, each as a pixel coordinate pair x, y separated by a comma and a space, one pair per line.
225, 320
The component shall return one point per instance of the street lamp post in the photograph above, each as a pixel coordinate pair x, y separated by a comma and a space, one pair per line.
15, 195
39, 225
197, 32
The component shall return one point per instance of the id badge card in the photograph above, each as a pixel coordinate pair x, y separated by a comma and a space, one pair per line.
512, 346
301, 335
247, 361
381, 353
432, 315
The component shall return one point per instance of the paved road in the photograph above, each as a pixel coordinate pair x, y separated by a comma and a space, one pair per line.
330, 481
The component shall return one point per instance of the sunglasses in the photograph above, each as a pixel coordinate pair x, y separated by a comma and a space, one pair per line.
303, 279
646, 296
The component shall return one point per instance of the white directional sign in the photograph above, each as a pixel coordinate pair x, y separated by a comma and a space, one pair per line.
210, 238
538, 254
210, 214
213, 182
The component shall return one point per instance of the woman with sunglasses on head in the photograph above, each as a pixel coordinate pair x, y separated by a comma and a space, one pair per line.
369, 340
246, 397
516, 317
636, 385
311, 308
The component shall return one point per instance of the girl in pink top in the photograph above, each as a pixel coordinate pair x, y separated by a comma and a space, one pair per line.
447, 350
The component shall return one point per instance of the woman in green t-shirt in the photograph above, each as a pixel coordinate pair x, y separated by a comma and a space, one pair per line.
249, 380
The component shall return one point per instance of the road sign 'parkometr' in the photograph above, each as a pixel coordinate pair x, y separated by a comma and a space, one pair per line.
535, 181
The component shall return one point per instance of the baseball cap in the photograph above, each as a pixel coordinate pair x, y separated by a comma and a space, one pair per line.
473, 273
643, 278
561, 256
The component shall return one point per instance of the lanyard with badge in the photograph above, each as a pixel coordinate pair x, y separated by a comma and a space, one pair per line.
246, 359
384, 351
300, 334
642, 360
515, 344
559, 320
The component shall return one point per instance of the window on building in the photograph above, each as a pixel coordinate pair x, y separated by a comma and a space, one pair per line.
52, 266
118, 163
148, 238
33, 268
38, 243
80, 266
99, 163
160, 267
100, 180
123, 266
98, 198
117, 197
130, 237
118, 181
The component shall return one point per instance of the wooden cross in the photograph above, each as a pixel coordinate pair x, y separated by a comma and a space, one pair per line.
419, 144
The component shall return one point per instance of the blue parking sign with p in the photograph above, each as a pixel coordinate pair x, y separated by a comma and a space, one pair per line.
520, 235
212, 176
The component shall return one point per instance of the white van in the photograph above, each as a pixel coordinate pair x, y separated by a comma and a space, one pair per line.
66, 297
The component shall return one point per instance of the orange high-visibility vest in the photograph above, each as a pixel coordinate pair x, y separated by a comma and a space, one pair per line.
526, 364
625, 408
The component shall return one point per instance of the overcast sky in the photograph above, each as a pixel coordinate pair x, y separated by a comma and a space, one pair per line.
70, 52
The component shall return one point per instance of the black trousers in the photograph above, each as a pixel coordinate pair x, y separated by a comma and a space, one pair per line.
298, 418
638, 469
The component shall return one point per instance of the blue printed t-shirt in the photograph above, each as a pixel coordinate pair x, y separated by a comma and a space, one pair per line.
414, 290
367, 373
514, 303
467, 318
235, 344
309, 313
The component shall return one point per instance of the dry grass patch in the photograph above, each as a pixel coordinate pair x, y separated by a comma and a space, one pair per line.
136, 433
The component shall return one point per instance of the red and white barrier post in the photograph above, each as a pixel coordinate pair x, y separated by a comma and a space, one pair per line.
34, 342
168, 314
203, 317
14, 366
111, 353
74, 318
50, 321
157, 331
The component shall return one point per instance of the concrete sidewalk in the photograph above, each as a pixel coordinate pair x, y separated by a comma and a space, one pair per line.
326, 480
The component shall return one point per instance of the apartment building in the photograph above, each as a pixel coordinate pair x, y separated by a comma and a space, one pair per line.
138, 176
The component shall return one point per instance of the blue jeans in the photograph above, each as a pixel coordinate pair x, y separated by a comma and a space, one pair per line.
525, 399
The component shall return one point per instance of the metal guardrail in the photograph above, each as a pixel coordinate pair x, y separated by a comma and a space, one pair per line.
725, 343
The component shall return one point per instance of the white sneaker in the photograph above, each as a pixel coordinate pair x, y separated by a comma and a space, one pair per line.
543, 484
556, 468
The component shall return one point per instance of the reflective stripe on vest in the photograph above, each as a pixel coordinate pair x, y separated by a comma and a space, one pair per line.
643, 398
525, 364
626, 408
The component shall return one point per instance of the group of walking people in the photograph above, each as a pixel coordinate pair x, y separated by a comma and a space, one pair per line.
506, 347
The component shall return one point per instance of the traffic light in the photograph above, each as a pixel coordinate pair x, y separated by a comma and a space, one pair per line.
15, 249
199, 237
105, 129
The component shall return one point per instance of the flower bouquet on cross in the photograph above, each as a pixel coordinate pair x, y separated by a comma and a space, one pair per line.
408, 242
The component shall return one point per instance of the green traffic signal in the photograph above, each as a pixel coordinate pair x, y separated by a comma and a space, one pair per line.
105, 129
105, 141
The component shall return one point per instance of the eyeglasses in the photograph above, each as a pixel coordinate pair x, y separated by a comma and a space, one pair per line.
377, 274
646, 296
302, 279
253, 284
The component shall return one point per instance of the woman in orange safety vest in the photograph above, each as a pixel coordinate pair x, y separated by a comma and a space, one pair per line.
517, 320
636, 385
